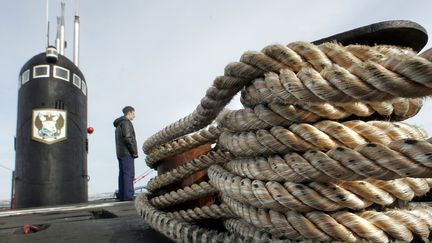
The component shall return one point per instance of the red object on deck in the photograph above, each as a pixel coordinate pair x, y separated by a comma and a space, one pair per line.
90, 130
30, 229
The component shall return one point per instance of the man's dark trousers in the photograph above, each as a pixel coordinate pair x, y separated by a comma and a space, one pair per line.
126, 177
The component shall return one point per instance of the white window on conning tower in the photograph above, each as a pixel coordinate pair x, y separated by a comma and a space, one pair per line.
61, 73
25, 76
84, 87
76, 80
41, 71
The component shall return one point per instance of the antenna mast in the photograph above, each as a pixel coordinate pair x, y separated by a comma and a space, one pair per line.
76, 36
58, 35
76, 40
62, 29
48, 24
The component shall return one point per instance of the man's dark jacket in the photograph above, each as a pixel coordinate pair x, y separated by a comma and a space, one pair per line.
125, 138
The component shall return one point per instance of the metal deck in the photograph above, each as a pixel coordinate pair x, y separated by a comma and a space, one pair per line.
100, 221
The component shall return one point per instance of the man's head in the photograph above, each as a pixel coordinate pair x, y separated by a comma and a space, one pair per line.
129, 112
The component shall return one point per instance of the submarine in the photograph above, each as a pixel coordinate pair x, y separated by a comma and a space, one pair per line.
49, 201
51, 136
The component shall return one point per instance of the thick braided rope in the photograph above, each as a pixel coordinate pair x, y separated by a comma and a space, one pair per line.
393, 224
180, 230
293, 58
324, 135
241, 227
202, 136
255, 64
401, 158
213, 211
237, 74
183, 144
275, 114
185, 170
328, 197
334, 73
183, 194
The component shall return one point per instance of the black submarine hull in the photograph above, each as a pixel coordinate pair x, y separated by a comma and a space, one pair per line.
51, 139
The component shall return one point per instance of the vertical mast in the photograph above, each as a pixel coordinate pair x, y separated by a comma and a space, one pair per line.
76, 40
48, 24
62, 30
58, 35
48, 36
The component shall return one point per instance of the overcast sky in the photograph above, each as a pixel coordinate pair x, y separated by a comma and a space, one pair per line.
161, 56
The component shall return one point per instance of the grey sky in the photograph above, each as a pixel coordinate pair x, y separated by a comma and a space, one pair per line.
160, 57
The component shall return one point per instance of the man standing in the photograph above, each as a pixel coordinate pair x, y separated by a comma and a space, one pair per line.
126, 148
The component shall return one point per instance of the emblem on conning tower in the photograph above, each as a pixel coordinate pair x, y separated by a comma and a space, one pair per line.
49, 125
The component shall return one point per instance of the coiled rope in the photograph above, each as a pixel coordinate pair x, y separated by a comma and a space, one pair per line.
275, 114
207, 212
327, 197
180, 145
400, 224
191, 167
182, 195
400, 158
180, 230
337, 74
242, 228
307, 140
324, 135
380, 73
